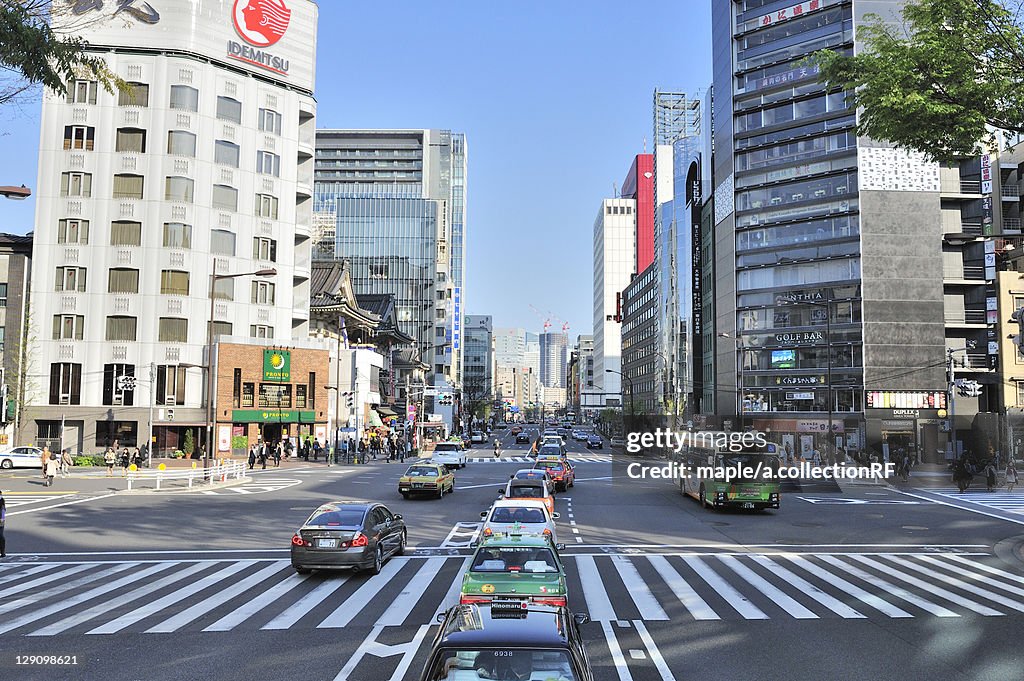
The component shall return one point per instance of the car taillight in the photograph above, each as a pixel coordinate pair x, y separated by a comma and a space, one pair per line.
297, 540
467, 600
558, 601
359, 540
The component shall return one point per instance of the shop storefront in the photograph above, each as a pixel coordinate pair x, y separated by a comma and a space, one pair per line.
910, 422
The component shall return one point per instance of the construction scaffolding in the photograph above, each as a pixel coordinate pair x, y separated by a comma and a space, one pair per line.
676, 115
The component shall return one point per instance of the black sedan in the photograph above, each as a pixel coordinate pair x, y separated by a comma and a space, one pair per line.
594, 441
522, 438
348, 534
508, 641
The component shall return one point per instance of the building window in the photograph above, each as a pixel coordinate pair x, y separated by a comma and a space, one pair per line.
125, 233
264, 249
68, 327
181, 143
300, 397
122, 280
266, 206
136, 94
224, 289
248, 394
132, 140
170, 384
268, 163
82, 91
70, 279
219, 328
226, 153
115, 391
184, 98
125, 433
179, 189
121, 328
311, 396
3, 297
261, 331
79, 137
229, 109
222, 242
378, 270
173, 330
275, 396
174, 283
128, 186
73, 232
270, 121
76, 184
65, 383
225, 197
1020, 393
262, 293
177, 235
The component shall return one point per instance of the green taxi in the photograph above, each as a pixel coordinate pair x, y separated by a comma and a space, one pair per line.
427, 478
515, 567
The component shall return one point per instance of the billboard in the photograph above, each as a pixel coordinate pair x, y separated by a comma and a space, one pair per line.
272, 38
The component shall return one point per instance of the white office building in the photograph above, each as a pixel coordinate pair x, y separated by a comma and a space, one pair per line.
614, 244
205, 164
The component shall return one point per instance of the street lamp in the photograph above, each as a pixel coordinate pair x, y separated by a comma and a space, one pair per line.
827, 304
739, 376
17, 193
265, 272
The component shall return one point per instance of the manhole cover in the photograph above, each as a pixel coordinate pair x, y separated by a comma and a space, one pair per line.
808, 525
914, 527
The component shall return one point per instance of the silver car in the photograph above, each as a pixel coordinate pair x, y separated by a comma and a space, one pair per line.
347, 534
22, 457
520, 515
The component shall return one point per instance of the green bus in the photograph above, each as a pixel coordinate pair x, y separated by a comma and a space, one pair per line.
720, 478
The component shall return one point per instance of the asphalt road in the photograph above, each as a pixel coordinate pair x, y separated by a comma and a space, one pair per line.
867, 583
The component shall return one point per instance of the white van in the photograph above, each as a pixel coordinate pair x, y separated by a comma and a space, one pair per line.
451, 454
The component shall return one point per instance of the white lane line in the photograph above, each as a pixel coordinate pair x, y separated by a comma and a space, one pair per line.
652, 650
683, 591
621, 666
52, 584
776, 595
805, 587
129, 618
642, 597
869, 599
961, 574
301, 607
899, 592
66, 503
362, 596
598, 605
579, 540
204, 606
250, 608
962, 508
958, 583
985, 568
733, 597
403, 603
929, 588
79, 598
124, 599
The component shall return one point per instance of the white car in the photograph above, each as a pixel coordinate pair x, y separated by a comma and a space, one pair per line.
451, 454
477, 438
22, 457
520, 515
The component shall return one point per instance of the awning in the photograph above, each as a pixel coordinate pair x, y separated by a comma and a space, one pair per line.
374, 420
385, 411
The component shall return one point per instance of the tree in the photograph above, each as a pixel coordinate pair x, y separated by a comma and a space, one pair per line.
189, 445
940, 82
37, 50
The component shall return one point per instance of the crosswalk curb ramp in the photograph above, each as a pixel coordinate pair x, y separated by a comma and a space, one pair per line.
264, 593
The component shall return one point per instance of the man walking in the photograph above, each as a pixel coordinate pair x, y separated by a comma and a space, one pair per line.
252, 456
3, 518
278, 451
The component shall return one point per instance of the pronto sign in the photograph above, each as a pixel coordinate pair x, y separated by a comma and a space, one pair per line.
277, 365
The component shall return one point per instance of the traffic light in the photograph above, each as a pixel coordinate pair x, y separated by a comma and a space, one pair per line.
445, 399
349, 399
966, 388
126, 383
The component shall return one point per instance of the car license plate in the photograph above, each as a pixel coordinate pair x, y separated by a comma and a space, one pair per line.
748, 505
417, 484
327, 543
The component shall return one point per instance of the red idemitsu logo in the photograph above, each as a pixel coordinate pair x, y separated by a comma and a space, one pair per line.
261, 22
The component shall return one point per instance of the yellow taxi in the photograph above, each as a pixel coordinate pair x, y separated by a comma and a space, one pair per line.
427, 478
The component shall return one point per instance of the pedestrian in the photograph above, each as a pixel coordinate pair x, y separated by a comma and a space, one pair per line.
66, 462
126, 460
906, 466
44, 457
278, 451
1011, 476
109, 458
305, 449
252, 455
990, 476
316, 450
344, 450
263, 456
137, 457
51, 471
3, 518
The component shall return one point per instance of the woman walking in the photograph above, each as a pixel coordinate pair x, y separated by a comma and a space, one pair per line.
46, 455
990, 476
1011, 476
252, 456
51, 470
109, 458
66, 462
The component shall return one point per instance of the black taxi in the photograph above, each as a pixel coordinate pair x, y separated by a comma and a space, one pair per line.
508, 641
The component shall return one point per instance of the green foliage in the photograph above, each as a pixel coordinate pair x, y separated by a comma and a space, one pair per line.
89, 461
189, 445
239, 442
31, 47
178, 454
939, 82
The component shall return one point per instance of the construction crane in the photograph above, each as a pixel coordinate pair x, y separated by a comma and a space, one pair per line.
546, 320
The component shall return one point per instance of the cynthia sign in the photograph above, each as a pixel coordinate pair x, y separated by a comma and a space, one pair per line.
261, 23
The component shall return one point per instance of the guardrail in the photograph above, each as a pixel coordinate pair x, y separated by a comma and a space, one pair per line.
218, 473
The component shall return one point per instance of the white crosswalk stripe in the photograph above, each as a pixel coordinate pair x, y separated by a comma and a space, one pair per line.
15, 500
574, 458
1012, 502
149, 596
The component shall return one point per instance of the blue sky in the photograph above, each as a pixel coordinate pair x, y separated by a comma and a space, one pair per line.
554, 98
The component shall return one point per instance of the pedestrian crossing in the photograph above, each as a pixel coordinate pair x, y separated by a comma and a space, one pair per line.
574, 458
15, 500
163, 596
1012, 502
